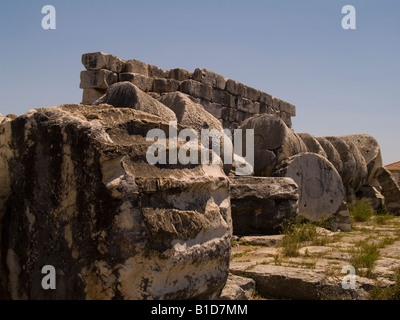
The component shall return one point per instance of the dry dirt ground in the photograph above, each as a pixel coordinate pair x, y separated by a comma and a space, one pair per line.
321, 268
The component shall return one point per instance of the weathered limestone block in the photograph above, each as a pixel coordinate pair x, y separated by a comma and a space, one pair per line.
247, 105
370, 150
286, 118
179, 74
271, 110
161, 85
321, 190
97, 79
354, 172
240, 167
84, 199
238, 288
287, 282
373, 194
127, 95
209, 78
312, 144
91, 95
265, 99
332, 154
214, 108
251, 93
390, 190
276, 103
342, 219
196, 89
196, 117
142, 82
222, 97
235, 88
189, 113
156, 72
361, 173
287, 108
263, 108
100, 60
274, 142
136, 66
261, 204
240, 116
228, 114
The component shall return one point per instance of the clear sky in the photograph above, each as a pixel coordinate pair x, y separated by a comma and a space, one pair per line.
341, 81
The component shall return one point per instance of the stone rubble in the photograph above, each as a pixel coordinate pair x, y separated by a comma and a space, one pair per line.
78, 192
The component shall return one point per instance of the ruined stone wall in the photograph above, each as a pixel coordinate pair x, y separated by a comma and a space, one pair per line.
228, 100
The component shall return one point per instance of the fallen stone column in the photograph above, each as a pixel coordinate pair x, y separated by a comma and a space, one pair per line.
274, 142
331, 154
189, 113
261, 204
390, 190
354, 173
361, 171
127, 95
194, 116
321, 189
370, 150
312, 144
373, 194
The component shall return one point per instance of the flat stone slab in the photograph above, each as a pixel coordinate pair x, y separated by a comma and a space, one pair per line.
238, 288
314, 250
392, 251
267, 241
316, 272
302, 284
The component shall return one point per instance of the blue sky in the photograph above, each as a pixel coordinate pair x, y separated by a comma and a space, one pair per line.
341, 81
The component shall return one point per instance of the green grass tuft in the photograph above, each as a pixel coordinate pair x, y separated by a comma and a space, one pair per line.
365, 257
361, 210
388, 293
295, 234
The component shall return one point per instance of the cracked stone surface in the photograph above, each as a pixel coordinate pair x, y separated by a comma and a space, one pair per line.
316, 272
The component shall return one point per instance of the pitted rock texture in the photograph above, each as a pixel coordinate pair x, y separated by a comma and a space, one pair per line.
312, 144
320, 186
260, 205
331, 153
370, 150
390, 190
274, 142
354, 173
79, 195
